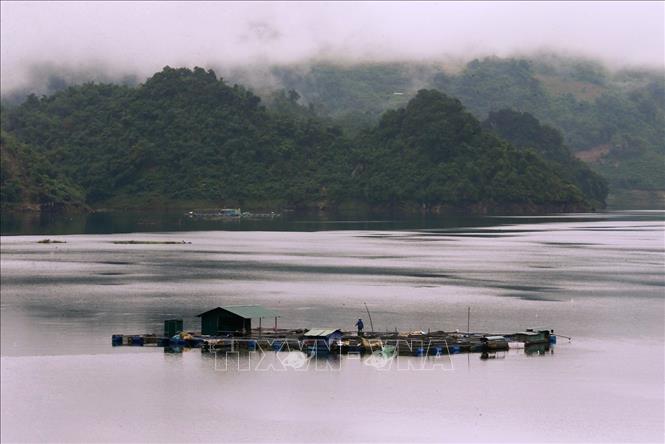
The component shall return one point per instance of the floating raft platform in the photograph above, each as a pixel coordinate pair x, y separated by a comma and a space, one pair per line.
402, 344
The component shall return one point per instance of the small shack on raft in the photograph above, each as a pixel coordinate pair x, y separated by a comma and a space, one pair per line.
233, 319
323, 336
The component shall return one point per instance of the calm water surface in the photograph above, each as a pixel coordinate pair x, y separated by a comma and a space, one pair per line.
597, 278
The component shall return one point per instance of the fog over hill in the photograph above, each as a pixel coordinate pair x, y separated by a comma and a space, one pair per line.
595, 72
130, 41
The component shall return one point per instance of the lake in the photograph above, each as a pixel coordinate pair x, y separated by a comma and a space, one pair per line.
598, 278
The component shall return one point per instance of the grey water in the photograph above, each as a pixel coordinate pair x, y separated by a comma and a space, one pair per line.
598, 278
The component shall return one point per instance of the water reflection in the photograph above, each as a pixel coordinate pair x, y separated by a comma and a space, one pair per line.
106, 222
596, 278
244, 361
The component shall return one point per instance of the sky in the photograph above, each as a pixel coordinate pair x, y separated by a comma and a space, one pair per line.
142, 37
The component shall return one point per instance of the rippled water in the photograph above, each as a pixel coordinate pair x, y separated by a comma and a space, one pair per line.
597, 278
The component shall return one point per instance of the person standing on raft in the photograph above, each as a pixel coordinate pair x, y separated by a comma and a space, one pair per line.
360, 326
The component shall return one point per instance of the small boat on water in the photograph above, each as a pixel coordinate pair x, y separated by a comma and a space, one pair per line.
210, 213
533, 336
229, 214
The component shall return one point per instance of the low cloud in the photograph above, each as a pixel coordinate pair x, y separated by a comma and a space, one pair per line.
121, 39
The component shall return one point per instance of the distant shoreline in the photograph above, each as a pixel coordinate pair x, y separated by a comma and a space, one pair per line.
623, 199
405, 208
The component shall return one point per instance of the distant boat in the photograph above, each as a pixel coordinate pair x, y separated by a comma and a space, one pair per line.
227, 213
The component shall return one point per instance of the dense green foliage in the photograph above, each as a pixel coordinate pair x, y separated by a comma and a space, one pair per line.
27, 178
433, 151
616, 120
623, 115
181, 135
525, 132
186, 136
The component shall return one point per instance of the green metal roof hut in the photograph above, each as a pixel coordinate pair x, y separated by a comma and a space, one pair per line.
233, 319
325, 336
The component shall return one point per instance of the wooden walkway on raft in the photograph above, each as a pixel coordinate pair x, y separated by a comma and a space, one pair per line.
403, 344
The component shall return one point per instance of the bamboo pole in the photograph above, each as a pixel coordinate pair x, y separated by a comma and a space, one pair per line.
370, 317
468, 320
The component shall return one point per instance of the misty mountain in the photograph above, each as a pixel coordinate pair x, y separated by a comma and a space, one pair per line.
47, 79
614, 120
185, 137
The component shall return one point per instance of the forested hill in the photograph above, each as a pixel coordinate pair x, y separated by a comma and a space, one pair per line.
613, 120
433, 151
185, 138
524, 131
30, 179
